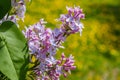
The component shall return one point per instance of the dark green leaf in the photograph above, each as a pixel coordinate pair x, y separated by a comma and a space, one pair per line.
13, 52
5, 6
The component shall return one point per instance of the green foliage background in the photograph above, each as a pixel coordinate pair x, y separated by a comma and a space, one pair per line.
97, 51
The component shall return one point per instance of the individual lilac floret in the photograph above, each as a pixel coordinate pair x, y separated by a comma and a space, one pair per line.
71, 21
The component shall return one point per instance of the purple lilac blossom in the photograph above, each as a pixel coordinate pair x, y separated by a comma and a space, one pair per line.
17, 12
19, 8
9, 18
71, 21
43, 44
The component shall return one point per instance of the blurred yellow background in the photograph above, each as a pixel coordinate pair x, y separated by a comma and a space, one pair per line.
97, 51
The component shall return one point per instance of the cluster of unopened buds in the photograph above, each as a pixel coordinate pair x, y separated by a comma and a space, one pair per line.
43, 42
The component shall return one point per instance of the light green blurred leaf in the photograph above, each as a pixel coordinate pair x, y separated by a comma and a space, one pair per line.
13, 52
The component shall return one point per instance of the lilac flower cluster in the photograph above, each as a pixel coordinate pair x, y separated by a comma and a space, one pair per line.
71, 21
17, 12
43, 44
19, 9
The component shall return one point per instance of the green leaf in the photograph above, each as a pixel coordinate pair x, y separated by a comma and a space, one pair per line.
5, 6
13, 52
